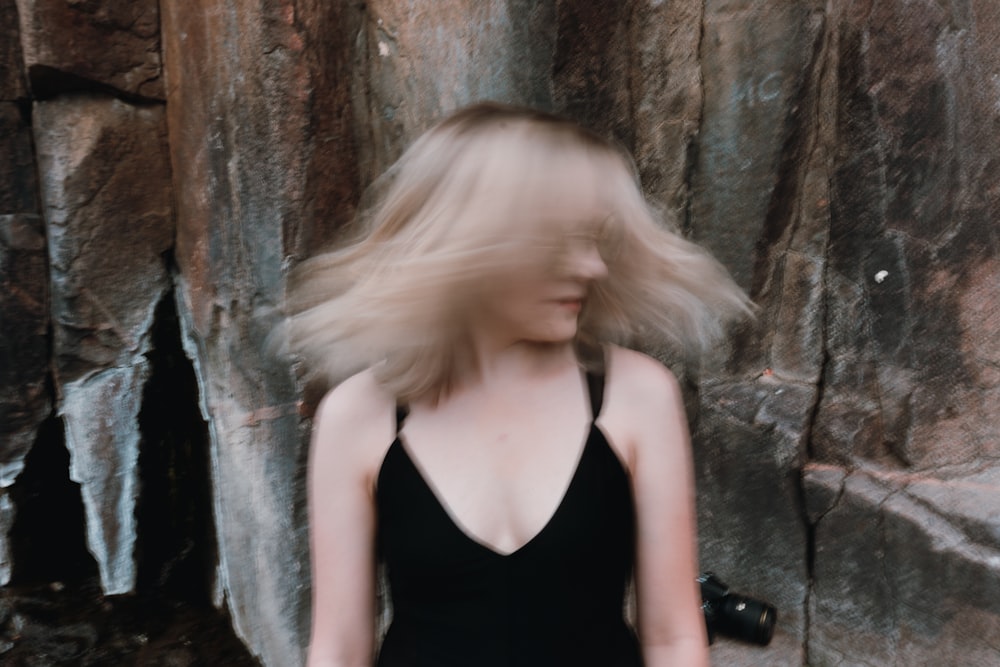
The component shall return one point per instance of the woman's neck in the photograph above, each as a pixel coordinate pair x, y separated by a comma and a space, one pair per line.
489, 362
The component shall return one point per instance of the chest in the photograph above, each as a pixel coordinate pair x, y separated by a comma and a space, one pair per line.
499, 474
556, 599
419, 531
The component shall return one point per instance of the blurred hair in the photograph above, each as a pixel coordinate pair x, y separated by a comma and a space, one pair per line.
474, 199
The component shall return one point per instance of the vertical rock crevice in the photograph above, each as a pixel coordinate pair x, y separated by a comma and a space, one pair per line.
818, 161
48, 536
691, 156
175, 541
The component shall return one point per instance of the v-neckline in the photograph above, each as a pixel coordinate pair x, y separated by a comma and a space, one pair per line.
470, 537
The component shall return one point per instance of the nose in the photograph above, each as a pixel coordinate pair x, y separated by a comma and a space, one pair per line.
584, 261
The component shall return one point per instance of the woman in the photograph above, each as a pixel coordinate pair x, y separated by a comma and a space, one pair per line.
511, 467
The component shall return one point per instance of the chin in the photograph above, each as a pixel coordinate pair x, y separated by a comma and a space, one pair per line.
560, 333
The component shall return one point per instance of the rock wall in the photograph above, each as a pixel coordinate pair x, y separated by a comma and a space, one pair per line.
836, 155
25, 400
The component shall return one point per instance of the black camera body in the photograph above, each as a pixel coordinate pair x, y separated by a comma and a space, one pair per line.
734, 615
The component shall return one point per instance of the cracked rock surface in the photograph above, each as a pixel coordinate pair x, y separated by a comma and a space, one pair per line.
105, 192
839, 156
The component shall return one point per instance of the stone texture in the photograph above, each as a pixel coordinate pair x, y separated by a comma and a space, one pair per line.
914, 246
749, 441
736, 112
838, 156
24, 396
906, 568
590, 69
55, 626
97, 43
23, 300
755, 60
665, 93
18, 180
255, 192
265, 168
11, 63
876, 245
756, 187
106, 201
417, 62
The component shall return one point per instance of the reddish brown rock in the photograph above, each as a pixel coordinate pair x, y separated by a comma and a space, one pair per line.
106, 201
258, 170
265, 169
18, 176
913, 255
11, 64
760, 144
590, 69
664, 79
80, 45
756, 61
417, 62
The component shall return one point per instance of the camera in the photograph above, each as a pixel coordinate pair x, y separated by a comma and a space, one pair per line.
734, 615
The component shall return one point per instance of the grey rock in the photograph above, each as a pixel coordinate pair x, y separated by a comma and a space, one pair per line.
102, 436
750, 528
106, 202
896, 579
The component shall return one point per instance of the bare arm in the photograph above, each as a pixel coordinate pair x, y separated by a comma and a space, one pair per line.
670, 622
350, 426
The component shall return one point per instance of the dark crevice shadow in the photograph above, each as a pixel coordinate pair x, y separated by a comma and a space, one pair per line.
175, 545
48, 539
49, 82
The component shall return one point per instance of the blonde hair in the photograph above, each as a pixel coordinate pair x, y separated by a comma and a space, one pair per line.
471, 202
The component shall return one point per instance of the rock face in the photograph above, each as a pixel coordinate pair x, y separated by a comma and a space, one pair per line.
914, 251
114, 43
414, 64
106, 192
836, 155
910, 529
910, 383
264, 167
24, 318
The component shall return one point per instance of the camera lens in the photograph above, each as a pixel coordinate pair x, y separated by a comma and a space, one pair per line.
747, 619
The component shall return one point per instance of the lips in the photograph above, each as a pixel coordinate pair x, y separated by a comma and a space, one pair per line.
574, 304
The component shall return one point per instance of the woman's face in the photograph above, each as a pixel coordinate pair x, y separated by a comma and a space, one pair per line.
541, 301
557, 228
540, 295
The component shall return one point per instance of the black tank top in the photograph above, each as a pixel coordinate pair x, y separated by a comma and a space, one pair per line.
558, 600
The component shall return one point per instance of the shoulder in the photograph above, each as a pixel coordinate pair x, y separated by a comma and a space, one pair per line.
644, 405
353, 425
356, 400
640, 378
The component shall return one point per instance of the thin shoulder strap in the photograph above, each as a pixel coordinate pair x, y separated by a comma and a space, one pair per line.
595, 387
595, 384
402, 411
